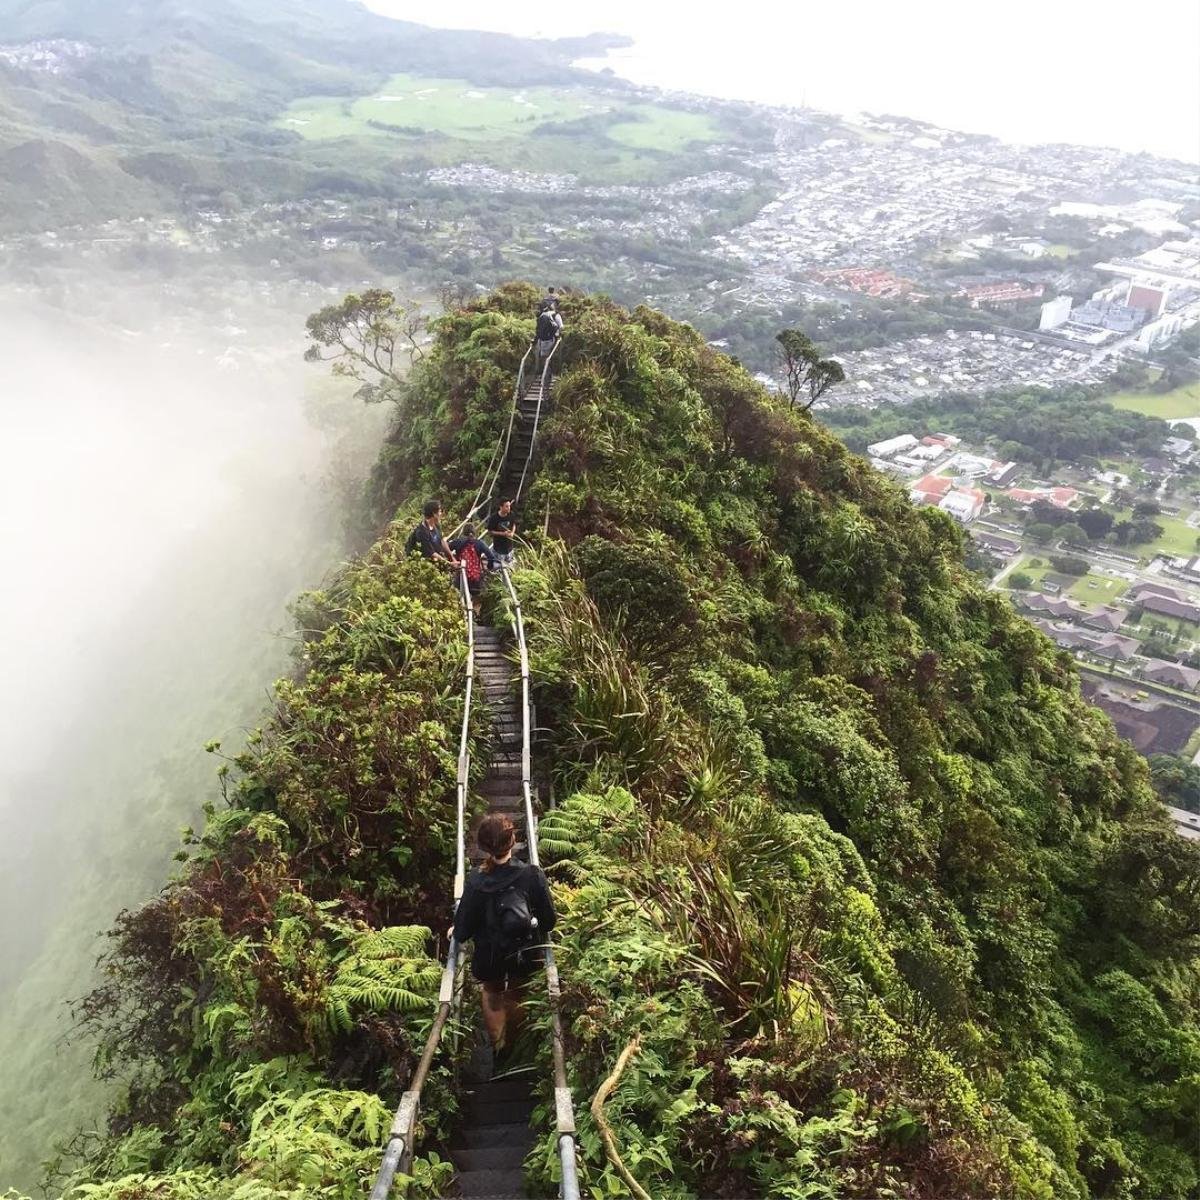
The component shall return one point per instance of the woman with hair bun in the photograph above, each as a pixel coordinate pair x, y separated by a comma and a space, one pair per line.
507, 911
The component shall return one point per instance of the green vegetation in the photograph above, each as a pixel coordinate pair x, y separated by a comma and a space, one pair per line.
656, 127
1182, 401
201, 105
885, 907
454, 107
567, 129
1176, 780
256, 1007
1042, 426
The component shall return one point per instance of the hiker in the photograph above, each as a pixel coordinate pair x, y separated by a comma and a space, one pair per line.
471, 554
549, 329
549, 300
427, 537
503, 527
507, 910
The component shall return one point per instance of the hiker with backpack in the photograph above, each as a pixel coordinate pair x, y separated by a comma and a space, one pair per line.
548, 331
471, 554
507, 911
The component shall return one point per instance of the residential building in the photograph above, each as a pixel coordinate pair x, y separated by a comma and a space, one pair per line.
1167, 606
931, 489
1001, 295
997, 543
1107, 619
963, 504
1055, 312
892, 446
1172, 674
1002, 474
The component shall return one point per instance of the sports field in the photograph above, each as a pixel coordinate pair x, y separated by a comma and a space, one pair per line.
1182, 402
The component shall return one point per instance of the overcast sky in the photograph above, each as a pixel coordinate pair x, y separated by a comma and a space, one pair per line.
1104, 72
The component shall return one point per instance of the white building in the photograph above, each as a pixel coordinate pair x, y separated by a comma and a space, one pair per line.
963, 504
891, 447
1055, 312
1164, 328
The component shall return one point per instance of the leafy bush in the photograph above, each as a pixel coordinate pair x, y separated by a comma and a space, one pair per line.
1069, 565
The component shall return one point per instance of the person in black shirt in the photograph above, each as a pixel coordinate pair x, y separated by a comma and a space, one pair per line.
507, 911
502, 526
427, 537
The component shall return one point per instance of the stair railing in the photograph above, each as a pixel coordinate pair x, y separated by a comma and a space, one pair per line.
398, 1153
564, 1109
543, 392
491, 476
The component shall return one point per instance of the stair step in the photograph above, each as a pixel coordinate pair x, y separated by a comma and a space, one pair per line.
492, 1185
509, 1157
482, 1137
497, 1112
515, 1086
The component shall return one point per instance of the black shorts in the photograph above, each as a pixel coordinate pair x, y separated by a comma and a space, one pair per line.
512, 969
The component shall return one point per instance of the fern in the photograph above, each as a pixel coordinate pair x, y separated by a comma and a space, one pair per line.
384, 970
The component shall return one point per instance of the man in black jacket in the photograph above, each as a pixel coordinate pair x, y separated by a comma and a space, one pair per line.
427, 537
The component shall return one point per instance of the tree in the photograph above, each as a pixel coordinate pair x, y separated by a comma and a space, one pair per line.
1069, 565
1072, 532
1095, 522
1146, 508
803, 371
366, 338
1020, 581
1045, 513
1039, 531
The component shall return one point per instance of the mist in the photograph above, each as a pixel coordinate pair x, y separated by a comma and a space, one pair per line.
169, 480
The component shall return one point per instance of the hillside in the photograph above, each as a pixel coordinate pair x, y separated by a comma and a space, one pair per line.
153, 107
889, 907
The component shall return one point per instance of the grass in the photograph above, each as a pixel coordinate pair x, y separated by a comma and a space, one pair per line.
1180, 402
453, 107
1178, 538
564, 130
1106, 591
652, 127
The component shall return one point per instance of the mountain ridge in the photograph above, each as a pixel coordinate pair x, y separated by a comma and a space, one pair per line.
884, 903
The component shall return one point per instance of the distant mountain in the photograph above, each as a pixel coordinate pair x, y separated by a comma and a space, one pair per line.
121, 109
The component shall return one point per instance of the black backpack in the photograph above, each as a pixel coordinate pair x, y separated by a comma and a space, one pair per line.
547, 327
511, 926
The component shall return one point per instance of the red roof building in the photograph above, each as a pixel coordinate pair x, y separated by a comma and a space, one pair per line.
931, 489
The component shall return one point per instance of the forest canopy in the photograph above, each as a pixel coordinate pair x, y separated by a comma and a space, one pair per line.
1042, 426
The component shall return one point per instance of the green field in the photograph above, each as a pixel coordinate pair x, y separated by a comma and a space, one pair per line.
1106, 590
1182, 402
652, 127
455, 108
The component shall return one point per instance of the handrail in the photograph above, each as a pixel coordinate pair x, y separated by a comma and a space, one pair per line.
537, 416
564, 1109
398, 1152
499, 454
